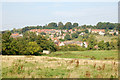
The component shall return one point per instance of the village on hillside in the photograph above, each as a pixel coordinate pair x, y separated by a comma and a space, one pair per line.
57, 35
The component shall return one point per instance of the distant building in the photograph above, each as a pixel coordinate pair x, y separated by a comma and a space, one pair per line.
82, 34
61, 44
14, 35
113, 31
46, 52
97, 30
102, 33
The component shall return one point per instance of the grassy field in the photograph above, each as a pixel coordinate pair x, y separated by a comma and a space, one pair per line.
96, 55
65, 67
99, 38
105, 38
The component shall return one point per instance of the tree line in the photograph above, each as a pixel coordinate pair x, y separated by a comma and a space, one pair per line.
69, 25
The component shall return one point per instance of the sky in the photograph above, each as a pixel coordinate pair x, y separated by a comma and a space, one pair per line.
21, 14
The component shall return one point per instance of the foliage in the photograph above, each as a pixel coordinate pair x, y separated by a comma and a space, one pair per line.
33, 48
60, 25
75, 24
29, 44
67, 37
71, 48
92, 42
86, 31
68, 25
74, 35
106, 25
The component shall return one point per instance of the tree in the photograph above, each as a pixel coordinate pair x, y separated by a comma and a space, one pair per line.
74, 35
75, 24
68, 25
52, 25
101, 45
33, 48
107, 46
6, 41
92, 42
31, 36
60, 25
86, 31
6, 37
67, 37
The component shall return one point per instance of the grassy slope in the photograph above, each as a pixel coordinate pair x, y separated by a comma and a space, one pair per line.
105, 38
99, 38
98, 55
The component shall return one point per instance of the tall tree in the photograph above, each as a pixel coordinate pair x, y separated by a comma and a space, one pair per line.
75, 24
52, 25
68, 25
67, 37
60, 25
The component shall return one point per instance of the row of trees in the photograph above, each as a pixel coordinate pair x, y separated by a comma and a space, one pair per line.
69, 25
29, 44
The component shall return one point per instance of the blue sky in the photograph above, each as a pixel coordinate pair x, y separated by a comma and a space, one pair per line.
21, 14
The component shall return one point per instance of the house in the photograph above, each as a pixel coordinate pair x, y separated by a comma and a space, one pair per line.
97, 30
117, 33
61, 44
89, 30
82, 34
85, 44
111, 32
46, 52
82, 43
102, 33
14, 35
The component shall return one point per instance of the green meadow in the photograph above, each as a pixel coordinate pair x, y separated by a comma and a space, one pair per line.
96, 55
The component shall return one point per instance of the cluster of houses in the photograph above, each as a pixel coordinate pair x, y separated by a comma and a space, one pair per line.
56, 35
102, 31
15, 35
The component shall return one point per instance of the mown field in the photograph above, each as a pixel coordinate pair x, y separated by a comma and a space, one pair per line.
51, 66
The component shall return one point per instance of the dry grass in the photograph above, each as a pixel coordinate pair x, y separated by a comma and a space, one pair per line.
52, 67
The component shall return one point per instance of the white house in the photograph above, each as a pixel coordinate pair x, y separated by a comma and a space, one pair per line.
82, 34
85, 44
101, 33
117, 33
61, 44
46, 52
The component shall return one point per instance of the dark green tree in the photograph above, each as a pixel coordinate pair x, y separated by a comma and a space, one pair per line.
75, 24
68, 25
60, 25
67, 37
74, 35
